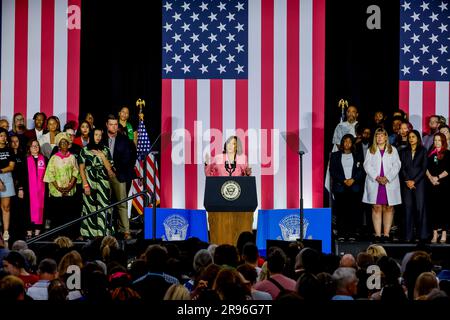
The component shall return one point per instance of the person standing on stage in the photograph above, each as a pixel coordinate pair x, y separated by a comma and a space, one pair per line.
230, 162
438, 186
346, 127
382, 187
124, 158
414, 166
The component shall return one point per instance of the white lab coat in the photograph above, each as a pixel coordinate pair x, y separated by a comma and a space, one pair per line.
391, 167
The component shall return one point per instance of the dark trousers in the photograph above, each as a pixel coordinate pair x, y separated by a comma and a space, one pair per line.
415, 212
63, 210
347, 212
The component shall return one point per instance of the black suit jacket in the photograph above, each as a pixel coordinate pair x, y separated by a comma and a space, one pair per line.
124, 157
338, 176
413, 169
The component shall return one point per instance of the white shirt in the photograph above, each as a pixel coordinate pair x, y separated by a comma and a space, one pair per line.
347, 164
341, 130
39, 290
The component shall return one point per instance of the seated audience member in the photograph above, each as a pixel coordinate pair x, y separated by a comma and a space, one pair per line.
419, 262
226, 255
154, 284
346, 283
426, 282
11, 289
249, 273
307, 261
250, 255
57, 291
231, 286
177, 292
348, 261
14, 264
376, 251
277, 282
47, 272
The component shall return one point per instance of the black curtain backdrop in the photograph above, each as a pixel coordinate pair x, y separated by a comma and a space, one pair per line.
121, 60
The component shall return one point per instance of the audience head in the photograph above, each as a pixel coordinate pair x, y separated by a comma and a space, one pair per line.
364, 259
177, 292
348, 261
426, 282
108, 243
48, 269
14, 263
231, 286
72, 258
63, 242
156, 258
243, 239
433, 123
276, 260
19, 245
308, 260
248, 272
346, 281
376, 251
57, 291
202, 259
250, 253
12, 288
226, 254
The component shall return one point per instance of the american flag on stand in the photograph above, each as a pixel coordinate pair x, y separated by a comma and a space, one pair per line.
230, 67
147, 169
424, 60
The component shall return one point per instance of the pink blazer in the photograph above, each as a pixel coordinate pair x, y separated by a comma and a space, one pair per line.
217, 166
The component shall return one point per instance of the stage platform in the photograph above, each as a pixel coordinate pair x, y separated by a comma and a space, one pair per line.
440, 253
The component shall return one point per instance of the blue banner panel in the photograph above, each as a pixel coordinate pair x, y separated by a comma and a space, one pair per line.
176, 224
284, 224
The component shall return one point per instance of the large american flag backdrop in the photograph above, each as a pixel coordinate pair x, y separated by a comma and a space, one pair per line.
40, 58
231, 67
424, 60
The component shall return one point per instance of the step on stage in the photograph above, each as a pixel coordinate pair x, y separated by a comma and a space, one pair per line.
440, 253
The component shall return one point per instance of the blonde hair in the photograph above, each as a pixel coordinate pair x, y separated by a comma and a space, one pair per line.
376, 251
177, 292
374, 147
63, 242
108, 242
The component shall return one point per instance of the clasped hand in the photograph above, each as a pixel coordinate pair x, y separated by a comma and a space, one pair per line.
382, 180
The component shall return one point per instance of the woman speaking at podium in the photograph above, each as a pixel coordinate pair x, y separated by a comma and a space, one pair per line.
225, 227
231, 162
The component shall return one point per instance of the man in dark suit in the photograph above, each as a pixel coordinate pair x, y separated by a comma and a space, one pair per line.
124, 157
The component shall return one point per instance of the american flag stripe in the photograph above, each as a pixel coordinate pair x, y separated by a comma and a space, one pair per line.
278, 95
424, 63
40, 59
136, 187
421, 99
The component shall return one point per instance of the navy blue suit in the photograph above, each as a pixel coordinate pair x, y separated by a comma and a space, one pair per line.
347, 199
414, 199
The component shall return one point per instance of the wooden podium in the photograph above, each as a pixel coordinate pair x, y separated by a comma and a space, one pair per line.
230, 202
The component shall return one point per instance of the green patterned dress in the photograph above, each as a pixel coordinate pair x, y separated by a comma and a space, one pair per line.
100, 196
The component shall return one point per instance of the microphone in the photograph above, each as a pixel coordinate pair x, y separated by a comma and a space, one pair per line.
301, 152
